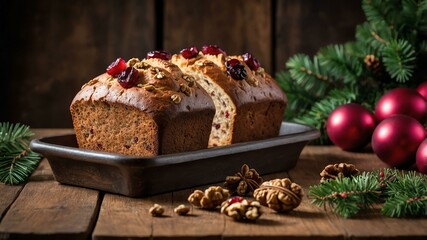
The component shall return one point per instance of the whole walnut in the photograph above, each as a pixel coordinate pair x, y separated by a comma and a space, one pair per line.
281, 195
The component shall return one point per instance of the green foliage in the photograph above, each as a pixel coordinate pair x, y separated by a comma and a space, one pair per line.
308, 74
347, 196
399, 59
17, 161
405, 194
395, 33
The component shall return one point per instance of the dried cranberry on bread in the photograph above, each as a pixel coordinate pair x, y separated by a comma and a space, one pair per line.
143, 108
249, 103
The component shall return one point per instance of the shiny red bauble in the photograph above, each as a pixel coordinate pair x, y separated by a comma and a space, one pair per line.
396, 139
422, 90
350, 126
403, 101
421, 157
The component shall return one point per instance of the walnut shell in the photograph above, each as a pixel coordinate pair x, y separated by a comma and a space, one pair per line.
281, 195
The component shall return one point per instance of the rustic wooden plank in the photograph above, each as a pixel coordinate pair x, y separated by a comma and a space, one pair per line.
123, 217
43, 172
372, 224
53, 47
49, 210
199, 224
7, 196
305, 26
237, 26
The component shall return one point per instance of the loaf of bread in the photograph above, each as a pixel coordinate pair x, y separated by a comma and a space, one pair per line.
248, 107
167, 104
163, 111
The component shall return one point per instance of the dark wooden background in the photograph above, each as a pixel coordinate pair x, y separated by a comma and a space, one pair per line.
50, 48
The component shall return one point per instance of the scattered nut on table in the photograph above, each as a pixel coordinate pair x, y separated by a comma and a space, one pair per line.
182, 210
239, 209
210, 198
156, 210
281, 195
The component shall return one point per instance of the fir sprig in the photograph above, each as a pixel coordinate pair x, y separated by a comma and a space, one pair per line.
347, 196
340, 63
405, 194
17, 161
309, 74
399, 59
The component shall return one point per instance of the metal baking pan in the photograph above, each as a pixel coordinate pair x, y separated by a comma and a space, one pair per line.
143, 176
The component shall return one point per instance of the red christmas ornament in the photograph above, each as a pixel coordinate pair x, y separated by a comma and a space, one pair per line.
422, 89
350, 126
421, 157
396, 140
403, 101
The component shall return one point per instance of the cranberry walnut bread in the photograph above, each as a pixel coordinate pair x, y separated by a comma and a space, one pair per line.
142, 108
164, 105
249, 104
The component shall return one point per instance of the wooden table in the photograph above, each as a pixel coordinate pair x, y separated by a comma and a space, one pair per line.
45, 209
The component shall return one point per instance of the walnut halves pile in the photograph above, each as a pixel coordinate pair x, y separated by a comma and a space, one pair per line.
210, 198
333, 171
281, 195
242, 209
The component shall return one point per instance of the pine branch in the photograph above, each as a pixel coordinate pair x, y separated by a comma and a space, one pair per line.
342, 65
380, 11
407, 196
399, 59
347, 196
15, 167
374, 35
14, 136
412, 20
17, 161
422, 18
308, 74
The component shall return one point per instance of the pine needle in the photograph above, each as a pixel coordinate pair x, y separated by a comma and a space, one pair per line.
399, 60
347, 196
405, 194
